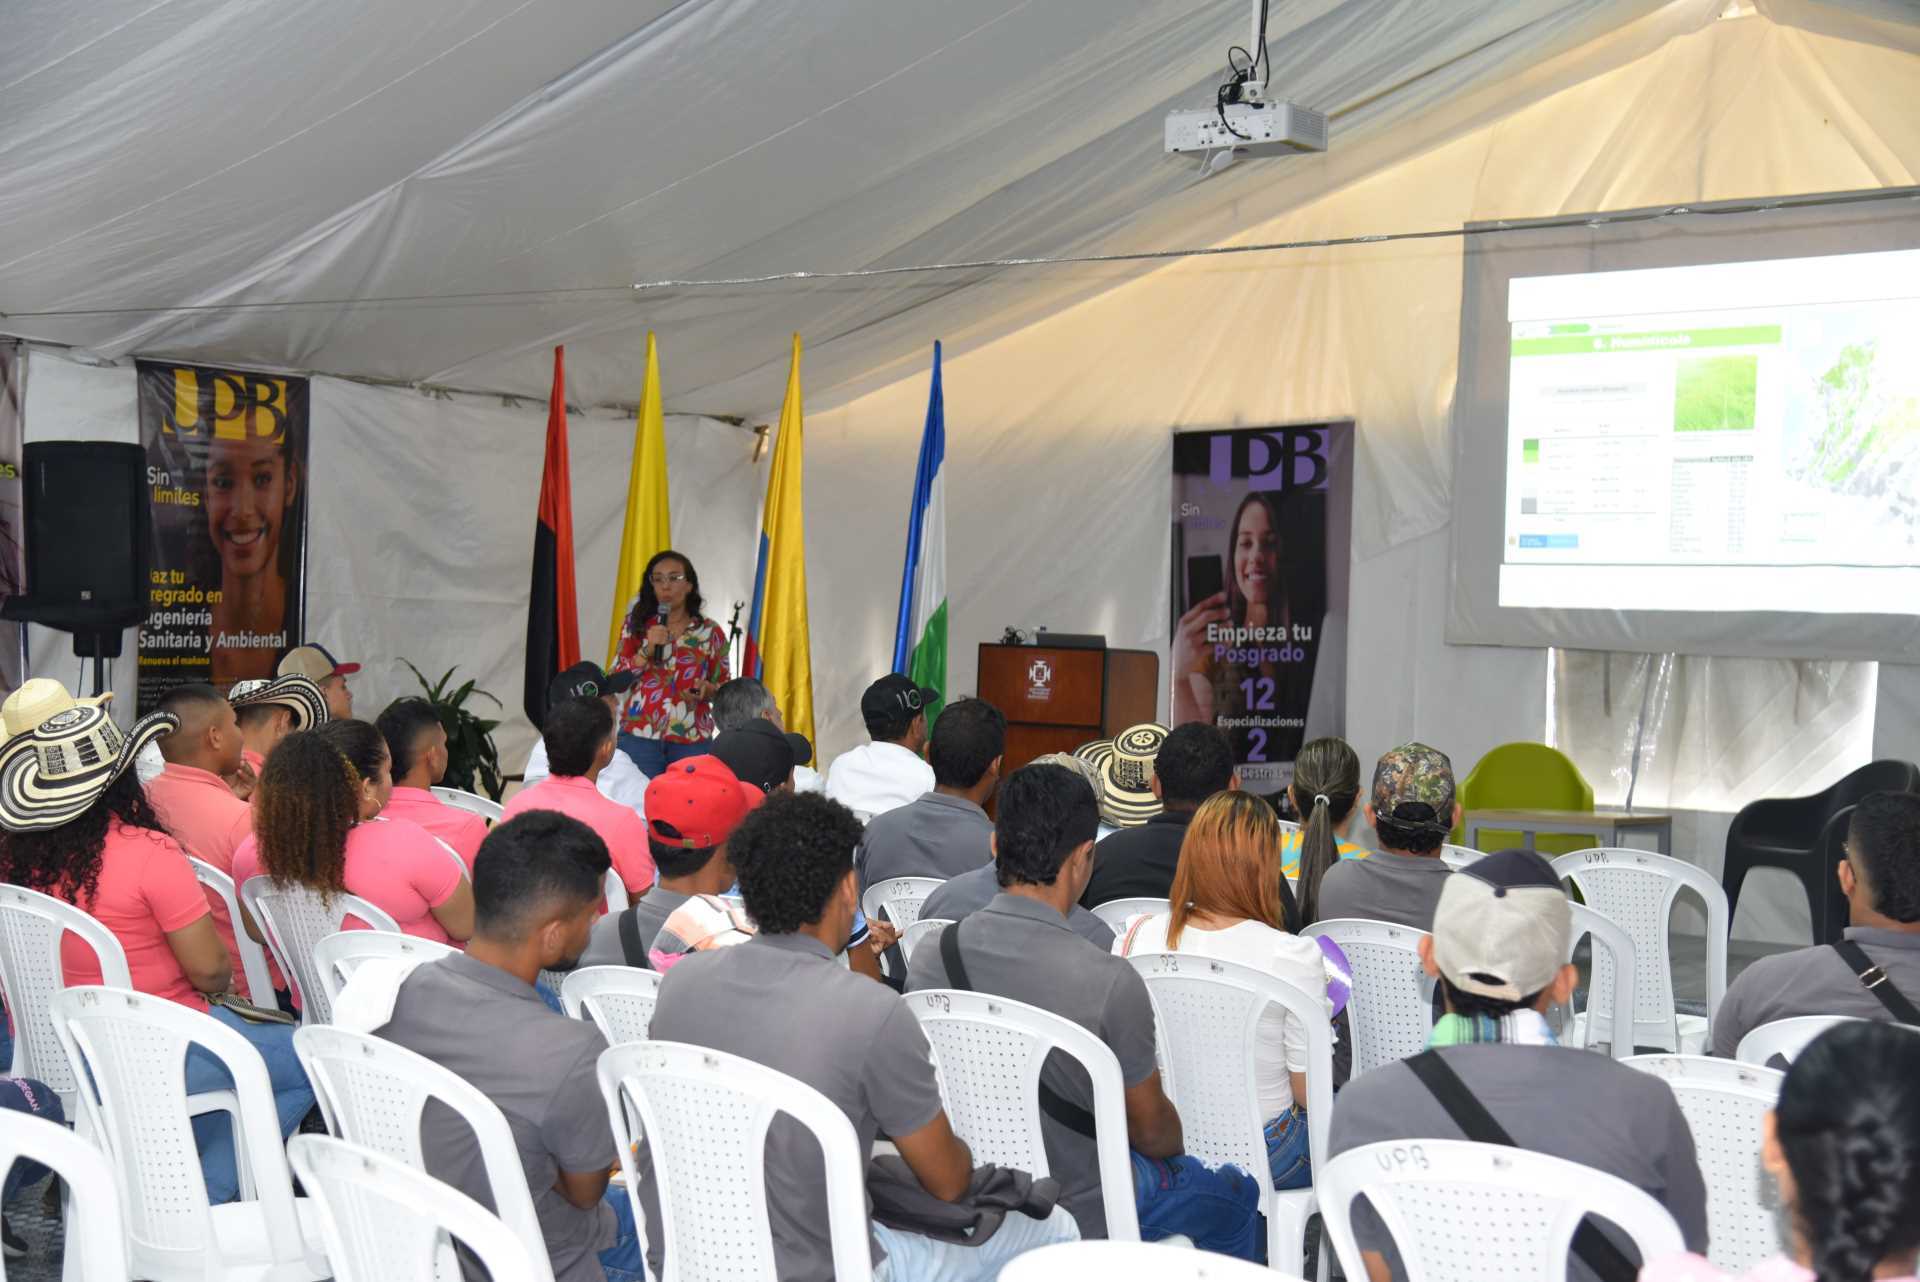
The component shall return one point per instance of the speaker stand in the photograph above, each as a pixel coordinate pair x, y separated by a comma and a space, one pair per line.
98, 646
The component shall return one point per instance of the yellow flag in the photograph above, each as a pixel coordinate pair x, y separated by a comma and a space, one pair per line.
648, 529
777, 643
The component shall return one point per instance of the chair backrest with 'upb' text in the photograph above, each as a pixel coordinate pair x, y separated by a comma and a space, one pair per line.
1391, 1009
296, 919
618, 999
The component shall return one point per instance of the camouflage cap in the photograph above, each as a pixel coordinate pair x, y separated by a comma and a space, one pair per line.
1414, 774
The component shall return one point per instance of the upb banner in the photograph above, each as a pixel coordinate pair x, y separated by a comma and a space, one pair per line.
1261, 532
227, 468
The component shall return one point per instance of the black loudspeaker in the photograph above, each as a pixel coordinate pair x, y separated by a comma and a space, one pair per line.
88, 541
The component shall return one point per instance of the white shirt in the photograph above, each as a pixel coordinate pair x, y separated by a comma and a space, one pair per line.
807, 779
1293, 958
877, 777
621, 781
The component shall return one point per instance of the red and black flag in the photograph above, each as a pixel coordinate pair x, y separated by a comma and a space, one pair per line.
553, 620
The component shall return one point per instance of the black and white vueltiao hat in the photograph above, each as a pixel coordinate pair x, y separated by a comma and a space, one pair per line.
52, 774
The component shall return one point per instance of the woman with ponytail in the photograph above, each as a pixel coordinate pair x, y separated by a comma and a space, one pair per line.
1843, 1148
1326, 795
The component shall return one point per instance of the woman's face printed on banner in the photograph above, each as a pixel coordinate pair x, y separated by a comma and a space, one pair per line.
250, 486
1256, 553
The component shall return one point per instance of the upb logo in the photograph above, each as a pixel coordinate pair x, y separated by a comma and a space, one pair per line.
227, 405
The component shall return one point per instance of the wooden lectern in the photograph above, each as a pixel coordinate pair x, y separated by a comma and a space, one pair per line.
1057, 698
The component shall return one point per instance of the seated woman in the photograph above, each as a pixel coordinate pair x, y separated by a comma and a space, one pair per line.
1842, 1147
1326, 795
77, 826
316, 824
1228, 904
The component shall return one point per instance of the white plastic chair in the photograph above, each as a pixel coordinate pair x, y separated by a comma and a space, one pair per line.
708, 1113
1635, 889
96, 1236
386, 1222
1724, 1101
1288, 825
252, 957
134, 1046
1391, 1009
295, 919
1133, 1262
1116, 911
922, 927
31, 925
337, 955
1209, 1016
616, 892
1594, 1026
618, 999
1785, 1038
989, 1052
472, 803
1458, 857
1462, 1212
372, 1092
897, 900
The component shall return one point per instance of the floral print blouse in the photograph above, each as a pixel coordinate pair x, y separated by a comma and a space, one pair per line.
663, 704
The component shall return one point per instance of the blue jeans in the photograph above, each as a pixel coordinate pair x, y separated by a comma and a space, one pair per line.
913, 1258
1218, 1208
622, 1261
653, 756
292, 1097
24, 1095
1287, 1154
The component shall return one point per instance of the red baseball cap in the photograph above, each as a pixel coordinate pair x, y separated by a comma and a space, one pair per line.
697, 802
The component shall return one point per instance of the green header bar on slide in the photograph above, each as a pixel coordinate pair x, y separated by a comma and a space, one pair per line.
1651, 341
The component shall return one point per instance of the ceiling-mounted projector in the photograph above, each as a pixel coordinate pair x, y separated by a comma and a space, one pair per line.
1255, 128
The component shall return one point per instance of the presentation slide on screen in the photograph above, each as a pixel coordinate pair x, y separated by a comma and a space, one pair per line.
1735, 436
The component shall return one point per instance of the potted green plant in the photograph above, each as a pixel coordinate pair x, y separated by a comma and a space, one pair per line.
472, 757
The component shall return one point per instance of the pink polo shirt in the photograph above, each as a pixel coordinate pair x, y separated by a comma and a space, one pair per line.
200, 810
146, 890
254, 760
624, 832
460, 829
393, 865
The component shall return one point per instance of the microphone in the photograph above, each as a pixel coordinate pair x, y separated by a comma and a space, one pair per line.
660, 651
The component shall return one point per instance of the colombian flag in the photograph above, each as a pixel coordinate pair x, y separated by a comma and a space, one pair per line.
553, 618
647, 526
777, 649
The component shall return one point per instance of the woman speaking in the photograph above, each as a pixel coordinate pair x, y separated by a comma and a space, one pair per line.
680, 658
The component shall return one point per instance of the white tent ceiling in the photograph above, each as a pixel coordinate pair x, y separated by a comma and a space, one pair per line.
177, 172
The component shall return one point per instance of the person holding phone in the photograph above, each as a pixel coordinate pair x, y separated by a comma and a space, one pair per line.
680, 657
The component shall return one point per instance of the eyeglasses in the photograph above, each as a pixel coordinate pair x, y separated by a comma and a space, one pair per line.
662, 580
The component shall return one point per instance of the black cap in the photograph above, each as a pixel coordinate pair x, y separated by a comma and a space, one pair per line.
894, 696
585, 680
759, 754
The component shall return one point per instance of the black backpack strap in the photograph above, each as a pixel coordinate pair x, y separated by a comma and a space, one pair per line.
1875, 981
1593, 1248
630, 939
1052, 1102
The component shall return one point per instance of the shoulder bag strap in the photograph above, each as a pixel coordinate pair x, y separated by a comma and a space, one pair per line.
1874, 980
1594, 1248
630, 939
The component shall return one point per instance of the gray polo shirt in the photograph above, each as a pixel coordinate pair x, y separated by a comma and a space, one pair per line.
650, 913
972, 891
1402, 889
1556, 1100
780, 1000
1019, 948
934, 836
1814, 981
494, 1031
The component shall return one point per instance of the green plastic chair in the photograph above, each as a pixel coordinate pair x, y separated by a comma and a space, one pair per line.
1528, 776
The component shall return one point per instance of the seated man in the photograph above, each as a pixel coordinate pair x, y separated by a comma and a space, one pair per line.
620, 780
537, 888
876, 777
1412, 811
774, 999
580, 742
745, 699
944, 832
314, 662
1020, 947
1195, 762
269, 711
1499, 949
696, 803
1880, 877
417, 743
970, 892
